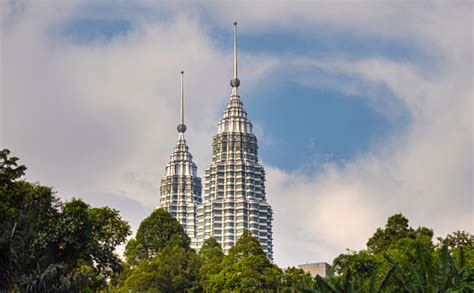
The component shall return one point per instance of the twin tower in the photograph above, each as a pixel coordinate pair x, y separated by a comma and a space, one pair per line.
234, 196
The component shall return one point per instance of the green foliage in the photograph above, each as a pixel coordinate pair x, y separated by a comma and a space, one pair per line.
397, 240
160, 259
211, 251
296, 280
426, 276
154, 233
362, 263
210, 256
396, 230
402, 259
28, 213
56, 278
50, 246
246, 246
45, 243
9, 169
246, 268
423, 275
461, 246
173, 269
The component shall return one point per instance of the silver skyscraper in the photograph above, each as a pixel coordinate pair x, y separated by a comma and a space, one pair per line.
180, 191
234, 190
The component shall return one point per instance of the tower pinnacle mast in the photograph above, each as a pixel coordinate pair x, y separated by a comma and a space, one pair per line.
181, 125
235, 82
235, 50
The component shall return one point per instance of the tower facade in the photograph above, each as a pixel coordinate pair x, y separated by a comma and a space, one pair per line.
234, 190
180, 191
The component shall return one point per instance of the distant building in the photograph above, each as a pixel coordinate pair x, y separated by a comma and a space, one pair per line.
318, 268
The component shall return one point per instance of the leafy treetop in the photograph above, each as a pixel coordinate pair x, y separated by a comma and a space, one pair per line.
154, 233
9, 170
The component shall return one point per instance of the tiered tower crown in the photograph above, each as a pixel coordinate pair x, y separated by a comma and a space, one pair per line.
235, 117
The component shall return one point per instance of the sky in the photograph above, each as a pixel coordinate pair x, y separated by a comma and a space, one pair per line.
362, 109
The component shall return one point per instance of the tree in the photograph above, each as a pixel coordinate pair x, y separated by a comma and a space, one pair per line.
45, 243
400, 241
400, 258
362, 263
210, 256
245, 247
108, 232
427, 276
56, 278
296, 280
211, 251
396, 229
423, 275
154, 233
173, 269
27, 211
85, 238
159, 258
353, 283
461, 246
246, 268
9, 169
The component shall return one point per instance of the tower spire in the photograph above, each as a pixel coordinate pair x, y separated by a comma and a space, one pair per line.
181, 125
235, 82
235, 50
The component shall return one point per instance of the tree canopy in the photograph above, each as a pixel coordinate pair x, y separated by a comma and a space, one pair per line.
159, 257
403, 259
47, 245
211, 256
173, 269
246, 268
154, 233
50, 246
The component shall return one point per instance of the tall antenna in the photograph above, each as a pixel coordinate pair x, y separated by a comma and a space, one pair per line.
235, 82
181, 125
235, 50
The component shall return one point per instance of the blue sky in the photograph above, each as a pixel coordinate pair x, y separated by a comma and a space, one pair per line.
309, 123
362, 109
